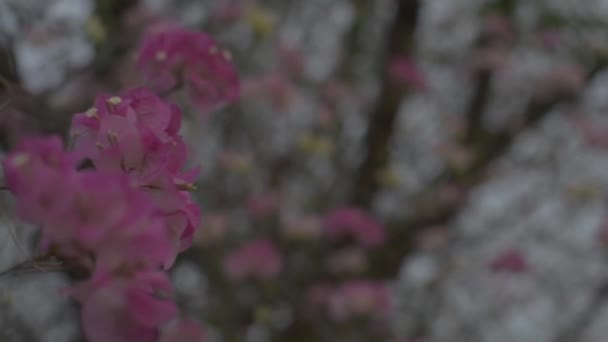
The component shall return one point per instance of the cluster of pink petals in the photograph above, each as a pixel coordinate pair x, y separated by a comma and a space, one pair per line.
137, 134
172, 56
258, 259
121, 218
263, 205
354, 224
353, 299
102, 225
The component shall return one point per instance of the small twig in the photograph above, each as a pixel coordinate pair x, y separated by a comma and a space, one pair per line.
381, 125
40, 264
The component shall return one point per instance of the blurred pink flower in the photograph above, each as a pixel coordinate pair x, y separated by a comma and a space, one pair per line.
138, 134
355, 224
404, 71
274, 86
302, 228
128, 308
257, 259
511, 261
263, 205
172, 56
359, 298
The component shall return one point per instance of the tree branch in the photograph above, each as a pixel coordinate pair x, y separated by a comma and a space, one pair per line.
386, 108
429, 210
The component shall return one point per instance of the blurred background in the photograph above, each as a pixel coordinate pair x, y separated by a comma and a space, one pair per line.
394, 170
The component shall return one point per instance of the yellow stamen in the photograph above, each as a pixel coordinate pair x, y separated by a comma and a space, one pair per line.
91, 112
21, 159
161, 56
114, 100
186, 187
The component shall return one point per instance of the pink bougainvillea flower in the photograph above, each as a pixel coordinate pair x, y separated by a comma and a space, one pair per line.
359, 298
184, 330
31, 172
354, 224
404, 71
137, 134
173, 56
125, 308
257, 259
510, 261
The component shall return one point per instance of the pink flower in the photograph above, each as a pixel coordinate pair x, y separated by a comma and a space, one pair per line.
127, 308
186, 330
138, 134
359, 298
31, 172
173, 56
354, 224
257, 259
510, 261
404, 71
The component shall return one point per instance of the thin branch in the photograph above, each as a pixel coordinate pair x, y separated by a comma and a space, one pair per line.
381, 125
477, 106
39, 264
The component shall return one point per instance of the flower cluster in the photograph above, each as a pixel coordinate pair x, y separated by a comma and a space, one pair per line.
353, 299
354, 224
172, 56
117, 209
258, 259
137, 134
